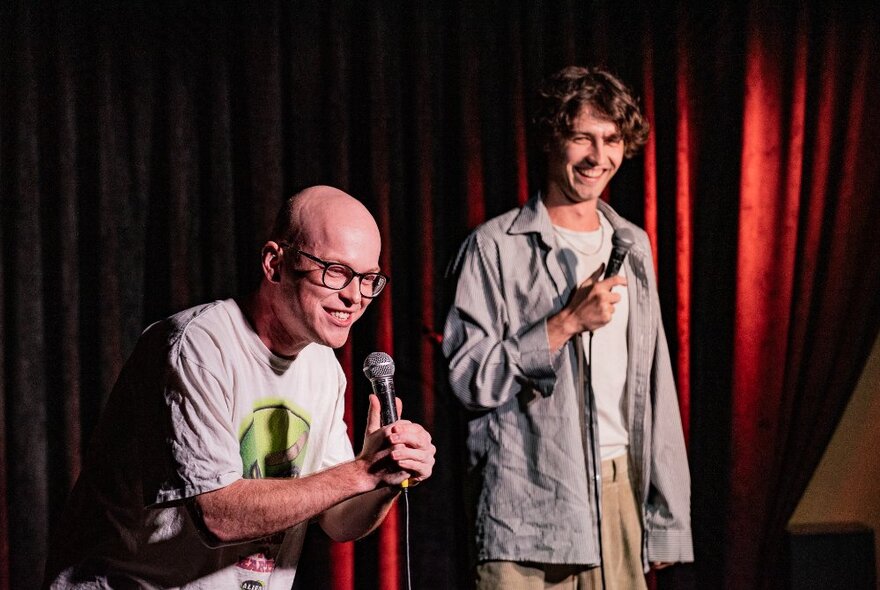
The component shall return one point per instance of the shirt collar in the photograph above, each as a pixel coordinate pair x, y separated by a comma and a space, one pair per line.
533, 218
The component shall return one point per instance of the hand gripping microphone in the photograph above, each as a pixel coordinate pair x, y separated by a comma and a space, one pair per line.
621, 241
379, 369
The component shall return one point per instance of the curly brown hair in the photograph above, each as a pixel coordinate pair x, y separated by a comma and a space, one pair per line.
562, 95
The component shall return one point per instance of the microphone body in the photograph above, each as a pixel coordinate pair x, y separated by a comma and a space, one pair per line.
621, 241
379, 369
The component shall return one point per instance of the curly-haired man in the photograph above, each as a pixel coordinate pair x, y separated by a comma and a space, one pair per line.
578, 471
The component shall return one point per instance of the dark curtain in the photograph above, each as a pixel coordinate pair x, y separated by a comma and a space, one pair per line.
145, 147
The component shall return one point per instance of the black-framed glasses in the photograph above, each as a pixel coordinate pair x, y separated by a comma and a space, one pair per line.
337, 276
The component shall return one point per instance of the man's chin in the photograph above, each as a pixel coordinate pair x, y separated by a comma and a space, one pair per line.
336, 339
580, 197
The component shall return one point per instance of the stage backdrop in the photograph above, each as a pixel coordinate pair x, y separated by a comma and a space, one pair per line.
145, 146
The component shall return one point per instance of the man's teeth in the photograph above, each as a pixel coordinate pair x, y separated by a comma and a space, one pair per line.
342, 315
590, 172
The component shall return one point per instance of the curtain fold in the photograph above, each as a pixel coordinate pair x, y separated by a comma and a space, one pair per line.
768, 232
684, 168
145, 147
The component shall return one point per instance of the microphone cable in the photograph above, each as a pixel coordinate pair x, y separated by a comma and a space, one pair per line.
406, 558
597, 467
621, 241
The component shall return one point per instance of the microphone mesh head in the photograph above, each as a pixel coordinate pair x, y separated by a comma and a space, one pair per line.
378, 365
623, 238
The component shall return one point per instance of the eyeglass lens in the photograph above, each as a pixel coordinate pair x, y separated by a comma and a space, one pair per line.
337, 276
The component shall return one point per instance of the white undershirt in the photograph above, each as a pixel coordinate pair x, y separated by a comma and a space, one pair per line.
583, 253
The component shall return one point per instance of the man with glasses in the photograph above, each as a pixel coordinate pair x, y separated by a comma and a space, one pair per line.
224, 435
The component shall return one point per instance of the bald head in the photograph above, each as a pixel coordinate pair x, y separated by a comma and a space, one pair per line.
316, 229
315, 215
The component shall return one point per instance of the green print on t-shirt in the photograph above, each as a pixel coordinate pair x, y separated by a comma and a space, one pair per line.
273, 440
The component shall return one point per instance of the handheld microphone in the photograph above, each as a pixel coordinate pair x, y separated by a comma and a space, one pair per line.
379, 369
621, 241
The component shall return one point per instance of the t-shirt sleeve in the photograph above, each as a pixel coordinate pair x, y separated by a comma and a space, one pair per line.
202, 447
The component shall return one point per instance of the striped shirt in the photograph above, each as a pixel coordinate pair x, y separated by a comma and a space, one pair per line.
529, 458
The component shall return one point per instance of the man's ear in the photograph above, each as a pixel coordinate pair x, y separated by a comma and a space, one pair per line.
272, 262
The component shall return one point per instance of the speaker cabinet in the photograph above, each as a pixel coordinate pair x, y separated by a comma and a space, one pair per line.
832, 556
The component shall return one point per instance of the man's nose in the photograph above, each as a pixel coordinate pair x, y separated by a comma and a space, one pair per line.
597, 152
352, 291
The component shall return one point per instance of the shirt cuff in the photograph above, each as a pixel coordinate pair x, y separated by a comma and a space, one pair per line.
670, 547
536, 360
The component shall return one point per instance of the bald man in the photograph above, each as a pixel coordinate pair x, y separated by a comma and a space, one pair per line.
224, 435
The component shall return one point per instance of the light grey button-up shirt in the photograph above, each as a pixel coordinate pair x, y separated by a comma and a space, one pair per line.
530, 462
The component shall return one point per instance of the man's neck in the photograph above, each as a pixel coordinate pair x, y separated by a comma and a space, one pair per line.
575, 216
268, 328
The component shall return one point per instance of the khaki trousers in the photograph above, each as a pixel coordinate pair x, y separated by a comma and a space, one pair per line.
621, 548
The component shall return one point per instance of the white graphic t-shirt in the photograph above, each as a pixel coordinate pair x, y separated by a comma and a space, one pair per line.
201, 404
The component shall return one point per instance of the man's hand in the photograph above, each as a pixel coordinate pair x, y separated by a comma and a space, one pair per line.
398, 451
392, 454
589, 307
